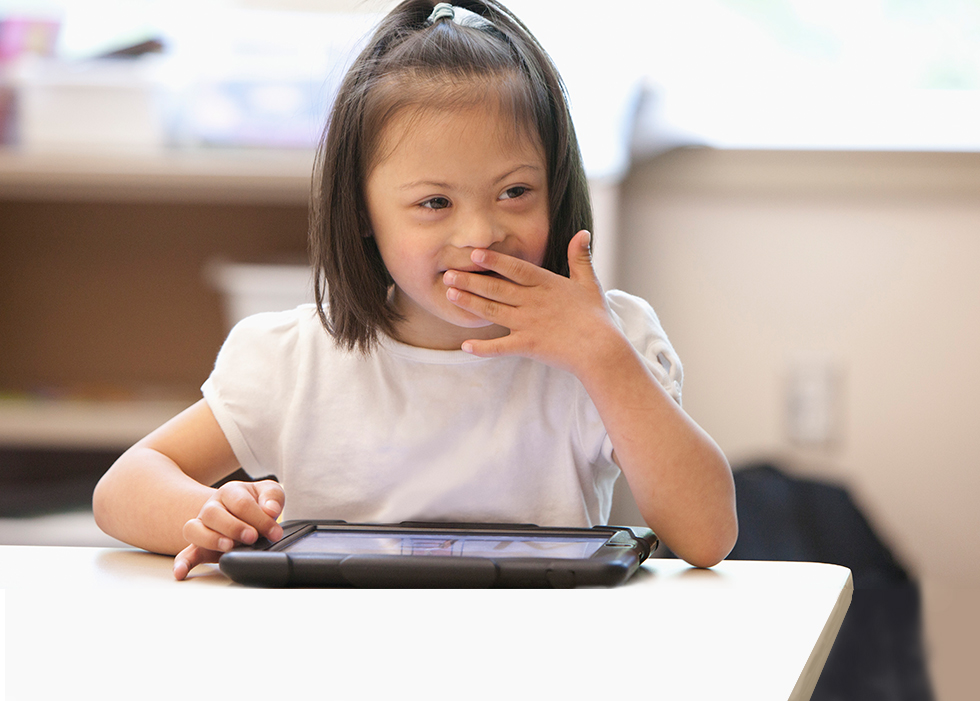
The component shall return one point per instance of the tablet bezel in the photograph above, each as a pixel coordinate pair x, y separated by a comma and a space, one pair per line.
272, 565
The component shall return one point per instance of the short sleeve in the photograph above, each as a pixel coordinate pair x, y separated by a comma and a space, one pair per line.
642, 327
251, 385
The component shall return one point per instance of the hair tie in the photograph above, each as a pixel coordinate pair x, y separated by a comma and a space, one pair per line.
441, 10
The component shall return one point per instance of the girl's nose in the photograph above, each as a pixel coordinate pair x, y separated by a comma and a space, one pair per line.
476, 230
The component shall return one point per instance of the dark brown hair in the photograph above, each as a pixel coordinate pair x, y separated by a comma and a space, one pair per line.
410, 62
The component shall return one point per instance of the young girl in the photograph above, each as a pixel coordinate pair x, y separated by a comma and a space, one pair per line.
461, 361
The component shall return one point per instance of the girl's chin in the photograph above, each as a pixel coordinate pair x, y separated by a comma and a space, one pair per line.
467, 320
470, 321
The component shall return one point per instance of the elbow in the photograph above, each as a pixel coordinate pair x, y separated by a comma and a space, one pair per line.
720, 529
713, 550
99, 499
712, 547
717, 547
102, 504
108, 496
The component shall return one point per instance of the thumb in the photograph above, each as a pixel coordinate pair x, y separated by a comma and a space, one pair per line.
580, 256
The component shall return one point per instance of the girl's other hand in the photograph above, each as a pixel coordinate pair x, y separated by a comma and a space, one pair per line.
237, 512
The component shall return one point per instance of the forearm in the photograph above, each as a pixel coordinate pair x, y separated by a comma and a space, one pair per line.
679, 477
145, 499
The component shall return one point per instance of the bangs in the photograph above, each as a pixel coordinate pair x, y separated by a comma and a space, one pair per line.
453, 65
416, 93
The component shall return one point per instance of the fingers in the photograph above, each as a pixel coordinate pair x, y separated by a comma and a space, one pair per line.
488, 309
237, 512
271, 497
488, 287
517, 273
488, 348
541, 309
206, 535
494, 297
189, 558
520, 271
244, 510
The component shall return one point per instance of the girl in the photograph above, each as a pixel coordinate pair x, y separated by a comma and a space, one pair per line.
461, 361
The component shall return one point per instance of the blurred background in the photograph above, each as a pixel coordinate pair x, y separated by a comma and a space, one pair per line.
793, 184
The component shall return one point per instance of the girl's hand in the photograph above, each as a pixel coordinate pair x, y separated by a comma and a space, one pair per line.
561, 321
237, 512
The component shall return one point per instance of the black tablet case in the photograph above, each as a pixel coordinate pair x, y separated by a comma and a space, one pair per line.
267, 564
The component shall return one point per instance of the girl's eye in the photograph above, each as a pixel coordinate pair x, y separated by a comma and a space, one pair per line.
436, 203
512, 193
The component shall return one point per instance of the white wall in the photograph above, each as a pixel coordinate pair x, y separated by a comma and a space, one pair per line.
753, 259
870, 260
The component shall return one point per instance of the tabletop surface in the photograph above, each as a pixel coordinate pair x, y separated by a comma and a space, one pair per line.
759, 630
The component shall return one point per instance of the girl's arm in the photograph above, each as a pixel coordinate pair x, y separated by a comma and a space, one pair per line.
679, 477
156, 495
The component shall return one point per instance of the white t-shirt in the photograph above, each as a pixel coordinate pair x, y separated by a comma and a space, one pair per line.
408, 433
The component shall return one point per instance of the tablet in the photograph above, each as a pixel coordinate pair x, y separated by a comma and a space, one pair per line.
336, 553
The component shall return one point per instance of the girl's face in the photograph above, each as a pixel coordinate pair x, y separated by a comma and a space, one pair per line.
449, 182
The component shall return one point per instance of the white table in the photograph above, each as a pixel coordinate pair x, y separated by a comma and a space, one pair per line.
114, 621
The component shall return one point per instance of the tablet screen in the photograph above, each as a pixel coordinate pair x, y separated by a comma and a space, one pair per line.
472, 545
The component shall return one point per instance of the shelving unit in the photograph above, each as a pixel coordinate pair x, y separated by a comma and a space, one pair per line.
101, 286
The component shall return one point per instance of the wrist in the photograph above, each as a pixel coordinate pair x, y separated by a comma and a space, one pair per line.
606, 353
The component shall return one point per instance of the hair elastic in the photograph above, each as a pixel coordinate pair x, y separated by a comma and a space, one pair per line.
441, 10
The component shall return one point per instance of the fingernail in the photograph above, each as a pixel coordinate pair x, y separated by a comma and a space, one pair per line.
275, 533
225, 544
450, 277
478, 256
452, 293
587, 239
273, 507
467, 347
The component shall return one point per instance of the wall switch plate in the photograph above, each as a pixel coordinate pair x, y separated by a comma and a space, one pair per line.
813, 400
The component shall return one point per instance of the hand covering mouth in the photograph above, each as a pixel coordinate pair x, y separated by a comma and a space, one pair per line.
476, 271
486, 273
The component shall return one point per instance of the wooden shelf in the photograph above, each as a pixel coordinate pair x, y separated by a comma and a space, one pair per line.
193, 175
76, 423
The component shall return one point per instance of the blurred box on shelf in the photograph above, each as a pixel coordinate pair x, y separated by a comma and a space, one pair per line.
251, 288
104, 104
